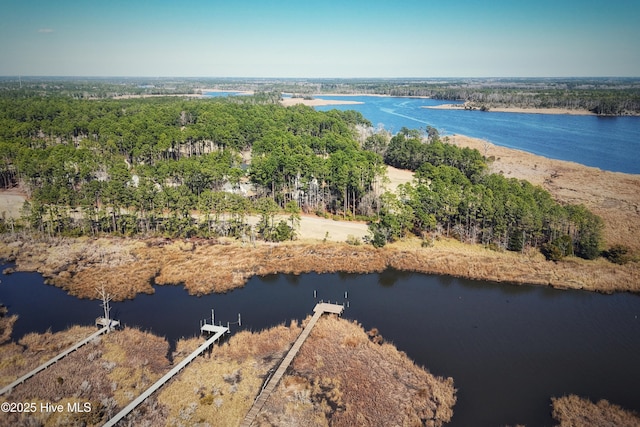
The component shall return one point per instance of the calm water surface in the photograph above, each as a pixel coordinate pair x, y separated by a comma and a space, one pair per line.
610, 143
508, 348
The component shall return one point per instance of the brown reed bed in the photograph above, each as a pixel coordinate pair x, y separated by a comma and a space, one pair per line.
128, 266
219, 388
106, 374
575, 411
341, 377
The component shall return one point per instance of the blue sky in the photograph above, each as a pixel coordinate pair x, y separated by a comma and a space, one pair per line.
347, 38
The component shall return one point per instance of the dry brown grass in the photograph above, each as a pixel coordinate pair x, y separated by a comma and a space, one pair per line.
107, 373
219, 388
341, 378
6, 326
338, 378
138, 360
207, 266
573, 411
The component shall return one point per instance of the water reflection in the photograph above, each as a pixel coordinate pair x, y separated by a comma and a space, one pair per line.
509, 348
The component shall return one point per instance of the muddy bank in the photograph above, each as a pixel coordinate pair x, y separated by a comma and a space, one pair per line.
130, 266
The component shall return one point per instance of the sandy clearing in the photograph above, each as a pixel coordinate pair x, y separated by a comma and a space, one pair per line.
397, 177
11, 202
313, 227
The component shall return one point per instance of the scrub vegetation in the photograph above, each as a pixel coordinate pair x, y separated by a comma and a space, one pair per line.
573, 411
219, 387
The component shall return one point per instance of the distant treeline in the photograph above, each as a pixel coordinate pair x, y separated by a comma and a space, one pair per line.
197, 167
601, 96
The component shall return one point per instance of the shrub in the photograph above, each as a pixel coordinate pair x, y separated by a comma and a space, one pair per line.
618, 254
558, 249
353, 240
379, 239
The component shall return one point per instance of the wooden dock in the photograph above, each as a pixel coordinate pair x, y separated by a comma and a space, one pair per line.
50, 362
218, 331
262, 398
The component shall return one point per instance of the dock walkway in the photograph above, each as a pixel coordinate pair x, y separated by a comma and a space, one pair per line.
218, 332
56, 359
318, 310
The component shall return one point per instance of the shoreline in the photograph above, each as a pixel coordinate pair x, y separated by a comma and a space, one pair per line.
243, 92
133, 264
129, 266
517, 110
287, 102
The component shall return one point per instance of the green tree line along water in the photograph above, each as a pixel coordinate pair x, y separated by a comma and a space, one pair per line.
198, 167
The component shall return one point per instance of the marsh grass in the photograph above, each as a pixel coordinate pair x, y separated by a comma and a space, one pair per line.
107, 373
341, 378
204, 267
219, 388
6, 326
574, 411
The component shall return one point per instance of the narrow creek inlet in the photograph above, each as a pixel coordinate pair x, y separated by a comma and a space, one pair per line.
508, 348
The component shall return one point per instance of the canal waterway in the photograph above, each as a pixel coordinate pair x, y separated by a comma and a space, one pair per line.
509, 348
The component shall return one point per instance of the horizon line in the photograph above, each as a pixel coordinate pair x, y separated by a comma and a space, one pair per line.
19, 76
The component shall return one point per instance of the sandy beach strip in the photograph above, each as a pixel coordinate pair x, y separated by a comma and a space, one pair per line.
565, 111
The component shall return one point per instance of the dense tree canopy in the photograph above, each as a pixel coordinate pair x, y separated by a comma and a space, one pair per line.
185, 167
448, 196
142, 165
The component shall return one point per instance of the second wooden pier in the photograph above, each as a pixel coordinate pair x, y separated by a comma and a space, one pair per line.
318, 311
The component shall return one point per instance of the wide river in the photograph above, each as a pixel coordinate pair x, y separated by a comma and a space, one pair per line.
509, 348
609, 143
